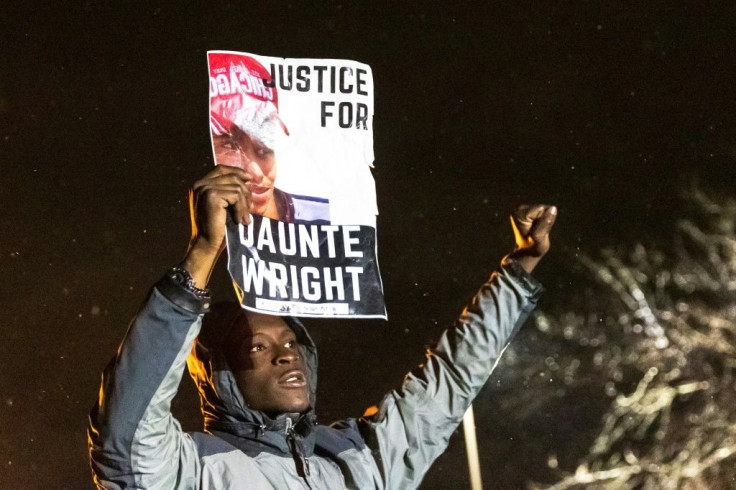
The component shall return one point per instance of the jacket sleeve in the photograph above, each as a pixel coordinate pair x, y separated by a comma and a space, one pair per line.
414, 423
134, 441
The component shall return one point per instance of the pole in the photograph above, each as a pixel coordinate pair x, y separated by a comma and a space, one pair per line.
471, 447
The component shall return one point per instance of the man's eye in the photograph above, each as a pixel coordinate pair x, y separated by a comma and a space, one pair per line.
257, 348
291, 344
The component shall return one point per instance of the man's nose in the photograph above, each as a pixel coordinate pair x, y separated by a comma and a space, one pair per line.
286, 355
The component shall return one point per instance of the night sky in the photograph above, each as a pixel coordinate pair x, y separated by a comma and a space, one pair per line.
607, 109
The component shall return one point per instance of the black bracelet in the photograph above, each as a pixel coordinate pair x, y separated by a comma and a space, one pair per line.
183, 278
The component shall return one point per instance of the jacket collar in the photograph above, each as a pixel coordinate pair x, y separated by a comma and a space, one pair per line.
270, 435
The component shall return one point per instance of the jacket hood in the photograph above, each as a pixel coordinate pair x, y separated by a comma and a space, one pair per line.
221, 402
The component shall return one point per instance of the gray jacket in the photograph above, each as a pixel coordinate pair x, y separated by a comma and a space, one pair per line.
135, 442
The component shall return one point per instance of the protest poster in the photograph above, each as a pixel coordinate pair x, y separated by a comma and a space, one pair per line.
302, 129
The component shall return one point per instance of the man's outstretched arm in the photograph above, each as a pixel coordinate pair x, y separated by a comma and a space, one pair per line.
134, 440
414, 423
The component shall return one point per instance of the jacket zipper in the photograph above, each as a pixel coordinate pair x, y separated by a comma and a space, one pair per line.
302, 463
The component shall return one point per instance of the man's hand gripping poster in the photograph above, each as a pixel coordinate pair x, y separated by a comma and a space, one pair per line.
302, 131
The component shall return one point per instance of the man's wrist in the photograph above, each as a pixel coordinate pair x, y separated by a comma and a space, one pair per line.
527, 262
533, 287
200, 261
205, 247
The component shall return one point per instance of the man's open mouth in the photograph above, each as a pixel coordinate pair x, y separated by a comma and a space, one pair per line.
294, 378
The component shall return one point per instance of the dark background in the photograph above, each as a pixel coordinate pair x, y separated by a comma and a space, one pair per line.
606, 109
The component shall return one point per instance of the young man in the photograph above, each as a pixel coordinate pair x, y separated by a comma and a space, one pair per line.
257, 377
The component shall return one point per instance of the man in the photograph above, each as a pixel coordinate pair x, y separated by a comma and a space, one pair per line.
257, 377
246, 130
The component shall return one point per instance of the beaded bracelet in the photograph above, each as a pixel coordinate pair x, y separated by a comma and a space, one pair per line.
183, 278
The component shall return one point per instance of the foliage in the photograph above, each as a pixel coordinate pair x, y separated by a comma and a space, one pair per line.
654, 333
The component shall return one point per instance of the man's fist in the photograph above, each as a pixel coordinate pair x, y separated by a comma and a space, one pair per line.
223, 190
532, 224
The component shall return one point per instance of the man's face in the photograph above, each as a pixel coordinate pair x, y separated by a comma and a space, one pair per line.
237, 149
269, 370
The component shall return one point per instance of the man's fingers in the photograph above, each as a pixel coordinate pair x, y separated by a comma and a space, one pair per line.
241, 209
226, 194
224, 187
525, 215
221, 197
532, 225
544, 223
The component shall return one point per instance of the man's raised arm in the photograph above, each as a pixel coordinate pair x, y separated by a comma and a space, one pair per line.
134, 441
414, 423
